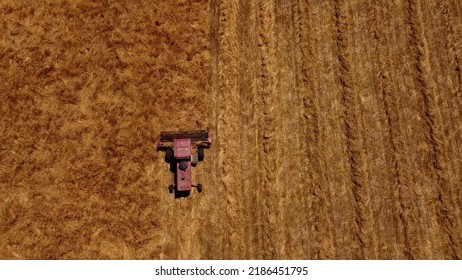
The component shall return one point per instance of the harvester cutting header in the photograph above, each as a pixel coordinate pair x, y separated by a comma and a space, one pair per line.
183, 150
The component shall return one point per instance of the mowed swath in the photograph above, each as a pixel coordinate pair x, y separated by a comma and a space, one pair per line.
336, 129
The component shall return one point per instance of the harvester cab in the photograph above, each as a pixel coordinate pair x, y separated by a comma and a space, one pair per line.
183, 150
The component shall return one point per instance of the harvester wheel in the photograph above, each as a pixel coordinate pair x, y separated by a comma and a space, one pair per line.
200, 154
199, 188
168, 155
170, 189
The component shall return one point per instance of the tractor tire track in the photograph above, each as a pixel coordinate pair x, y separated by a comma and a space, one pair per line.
319, 220
426, 87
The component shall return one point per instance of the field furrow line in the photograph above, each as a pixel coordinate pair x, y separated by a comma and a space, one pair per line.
211, 227
451, 17
289, 132
316, 199
270, 143
304, 236
249, 119
354, 146
397, 162
453, 30
444, 205
453, 20
446, 64
413, 132
228, 129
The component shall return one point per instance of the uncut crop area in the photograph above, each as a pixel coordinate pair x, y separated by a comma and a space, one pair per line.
336, 129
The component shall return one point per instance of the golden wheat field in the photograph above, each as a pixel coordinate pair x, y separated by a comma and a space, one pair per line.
336, 129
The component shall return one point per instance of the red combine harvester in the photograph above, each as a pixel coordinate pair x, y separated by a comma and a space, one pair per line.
183, 149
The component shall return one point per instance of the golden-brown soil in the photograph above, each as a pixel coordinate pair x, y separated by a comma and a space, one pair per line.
336, 129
